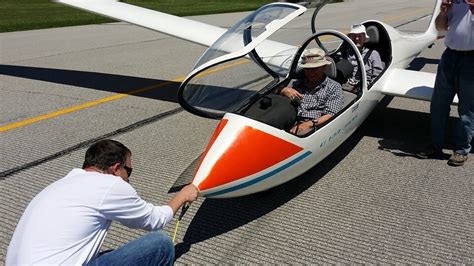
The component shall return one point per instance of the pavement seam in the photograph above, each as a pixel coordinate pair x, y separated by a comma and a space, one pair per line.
86, 143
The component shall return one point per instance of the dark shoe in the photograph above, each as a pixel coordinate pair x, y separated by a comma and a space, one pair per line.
457, 159
430, 152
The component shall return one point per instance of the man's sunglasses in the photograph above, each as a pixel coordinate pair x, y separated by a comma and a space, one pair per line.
128, 169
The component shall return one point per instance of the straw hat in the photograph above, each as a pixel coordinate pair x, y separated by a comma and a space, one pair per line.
313, 58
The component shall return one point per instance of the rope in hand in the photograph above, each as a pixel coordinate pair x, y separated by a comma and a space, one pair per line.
183, 211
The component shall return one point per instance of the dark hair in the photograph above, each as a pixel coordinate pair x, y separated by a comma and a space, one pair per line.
105, 153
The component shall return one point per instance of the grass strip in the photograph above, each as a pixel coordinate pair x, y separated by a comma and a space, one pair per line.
18, 15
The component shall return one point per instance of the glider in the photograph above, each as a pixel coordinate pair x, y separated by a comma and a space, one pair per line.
250, 61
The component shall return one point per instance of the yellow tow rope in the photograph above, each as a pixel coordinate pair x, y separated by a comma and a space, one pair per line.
175, 231
183, 211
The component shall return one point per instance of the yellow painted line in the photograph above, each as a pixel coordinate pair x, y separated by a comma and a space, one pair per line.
110, 98
222, 67
397, 17
84, 106
327, 38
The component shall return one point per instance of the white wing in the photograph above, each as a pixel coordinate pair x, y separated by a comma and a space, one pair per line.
409, 84
183, 28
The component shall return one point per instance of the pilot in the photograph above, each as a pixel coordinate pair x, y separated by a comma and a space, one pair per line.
372, 61
319, 97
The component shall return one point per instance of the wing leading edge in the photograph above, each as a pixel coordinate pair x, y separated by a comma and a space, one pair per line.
409, 84
183, 28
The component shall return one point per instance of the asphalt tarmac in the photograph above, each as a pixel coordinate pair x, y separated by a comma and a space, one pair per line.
371, 201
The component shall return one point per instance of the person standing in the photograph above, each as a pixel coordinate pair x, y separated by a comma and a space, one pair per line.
67, 222
455, 75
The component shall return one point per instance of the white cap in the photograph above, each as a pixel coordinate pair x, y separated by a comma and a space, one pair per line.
358, 29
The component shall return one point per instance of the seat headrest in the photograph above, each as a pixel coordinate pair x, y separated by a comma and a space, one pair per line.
331, 70
344, 70
374, 35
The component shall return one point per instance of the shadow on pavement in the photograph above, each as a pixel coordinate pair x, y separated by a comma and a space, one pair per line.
163, 90
419, 62
404, 133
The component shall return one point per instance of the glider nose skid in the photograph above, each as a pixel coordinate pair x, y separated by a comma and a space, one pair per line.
244, 157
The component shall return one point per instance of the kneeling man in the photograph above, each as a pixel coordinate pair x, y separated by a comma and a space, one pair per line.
66, 223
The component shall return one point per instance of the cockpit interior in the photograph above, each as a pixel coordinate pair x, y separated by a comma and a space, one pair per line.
257, 57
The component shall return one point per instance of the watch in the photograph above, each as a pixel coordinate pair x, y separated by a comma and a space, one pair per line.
315, 122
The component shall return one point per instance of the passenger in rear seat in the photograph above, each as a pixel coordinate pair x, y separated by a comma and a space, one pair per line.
372, 61
319, 96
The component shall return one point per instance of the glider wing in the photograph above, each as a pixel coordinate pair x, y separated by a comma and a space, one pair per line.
179, 27
409, 84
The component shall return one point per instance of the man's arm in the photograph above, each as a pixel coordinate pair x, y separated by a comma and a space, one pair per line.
323, 119
122, 204
441, 21
187, 194
291, 93
376, 67
310, 124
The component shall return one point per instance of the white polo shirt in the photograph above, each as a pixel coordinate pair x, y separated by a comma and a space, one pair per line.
67, 222
460, 34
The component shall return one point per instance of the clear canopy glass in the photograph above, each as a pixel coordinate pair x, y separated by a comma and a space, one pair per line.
237, 66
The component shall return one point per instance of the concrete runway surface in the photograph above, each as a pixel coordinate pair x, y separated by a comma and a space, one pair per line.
370, 201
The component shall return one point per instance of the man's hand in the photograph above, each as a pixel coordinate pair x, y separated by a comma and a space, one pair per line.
187, 194
291, 93
441, 21
446, 6
301, 127
471, 5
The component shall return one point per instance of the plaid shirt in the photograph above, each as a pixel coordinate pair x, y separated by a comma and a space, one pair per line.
326, 98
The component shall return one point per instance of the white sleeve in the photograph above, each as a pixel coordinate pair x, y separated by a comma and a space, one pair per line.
123, 204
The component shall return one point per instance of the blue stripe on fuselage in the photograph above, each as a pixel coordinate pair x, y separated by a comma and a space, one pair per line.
260, 178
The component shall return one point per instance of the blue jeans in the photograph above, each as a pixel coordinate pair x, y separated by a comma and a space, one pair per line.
455, 76
154, 248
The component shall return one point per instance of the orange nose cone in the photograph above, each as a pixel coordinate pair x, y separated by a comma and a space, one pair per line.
247, 153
